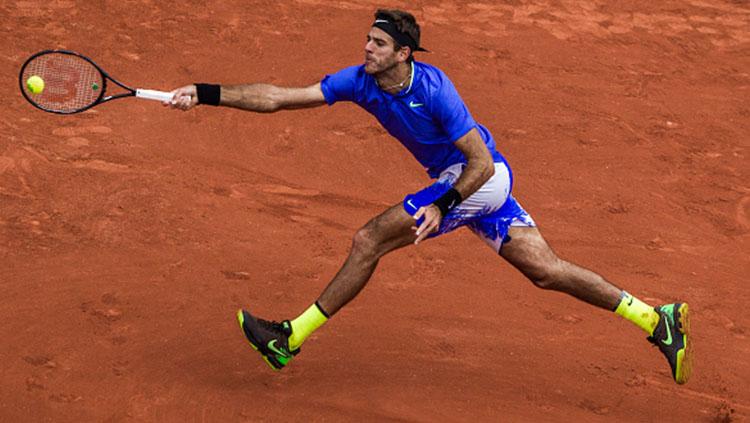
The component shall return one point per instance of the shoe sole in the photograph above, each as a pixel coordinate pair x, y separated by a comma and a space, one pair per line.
241, 321
685, 355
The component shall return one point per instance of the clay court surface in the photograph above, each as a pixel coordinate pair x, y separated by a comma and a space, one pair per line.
130, 234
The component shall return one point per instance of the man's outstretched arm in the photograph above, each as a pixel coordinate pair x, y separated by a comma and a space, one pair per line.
261, 98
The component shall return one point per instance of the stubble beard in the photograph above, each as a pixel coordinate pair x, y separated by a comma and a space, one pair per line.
384, 71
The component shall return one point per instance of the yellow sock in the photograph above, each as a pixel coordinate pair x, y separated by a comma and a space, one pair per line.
638, 312
305, 324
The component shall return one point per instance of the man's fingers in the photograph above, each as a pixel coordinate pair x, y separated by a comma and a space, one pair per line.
177, 99
427, 227
431, 223
419, 213
185, 101
421, 235
182, 98
423, 226
171, 101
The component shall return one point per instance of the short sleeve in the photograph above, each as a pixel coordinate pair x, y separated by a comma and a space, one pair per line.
451, 112
340, 86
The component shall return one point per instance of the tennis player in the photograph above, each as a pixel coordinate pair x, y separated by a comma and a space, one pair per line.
419, 106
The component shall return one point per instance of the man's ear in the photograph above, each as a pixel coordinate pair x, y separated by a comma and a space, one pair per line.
403, 54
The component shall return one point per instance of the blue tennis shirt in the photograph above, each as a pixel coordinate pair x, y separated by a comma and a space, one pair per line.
427, 118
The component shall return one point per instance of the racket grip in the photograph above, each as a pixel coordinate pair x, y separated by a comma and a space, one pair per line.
153, 95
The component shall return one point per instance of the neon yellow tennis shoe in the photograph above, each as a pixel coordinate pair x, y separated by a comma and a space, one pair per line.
671, 336
270, 339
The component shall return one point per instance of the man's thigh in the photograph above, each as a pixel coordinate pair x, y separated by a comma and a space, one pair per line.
497, 228
528, 251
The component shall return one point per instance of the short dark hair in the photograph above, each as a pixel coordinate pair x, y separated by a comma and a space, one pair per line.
404, 21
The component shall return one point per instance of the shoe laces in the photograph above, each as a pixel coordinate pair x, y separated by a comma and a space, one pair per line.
272, 326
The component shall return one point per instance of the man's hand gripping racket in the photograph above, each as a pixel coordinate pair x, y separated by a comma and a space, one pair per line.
66, 82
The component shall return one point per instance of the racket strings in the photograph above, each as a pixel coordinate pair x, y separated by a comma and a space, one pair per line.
70, 82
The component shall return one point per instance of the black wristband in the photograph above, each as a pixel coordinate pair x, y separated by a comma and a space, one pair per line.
448, 201
208, 94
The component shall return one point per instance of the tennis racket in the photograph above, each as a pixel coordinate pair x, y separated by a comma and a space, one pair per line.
73, 83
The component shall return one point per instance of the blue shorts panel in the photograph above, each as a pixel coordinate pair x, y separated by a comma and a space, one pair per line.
493, 228
490, 212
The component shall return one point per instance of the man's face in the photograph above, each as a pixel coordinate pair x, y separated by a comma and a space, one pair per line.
379, 53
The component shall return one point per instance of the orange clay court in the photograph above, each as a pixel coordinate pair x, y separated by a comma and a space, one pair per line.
130, 234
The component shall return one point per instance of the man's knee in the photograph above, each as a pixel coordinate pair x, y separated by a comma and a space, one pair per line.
547, 275
544, 280
365, 241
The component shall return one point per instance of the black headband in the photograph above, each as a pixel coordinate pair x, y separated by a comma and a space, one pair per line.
402, 38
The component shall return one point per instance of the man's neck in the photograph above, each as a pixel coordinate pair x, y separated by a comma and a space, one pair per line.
395, 79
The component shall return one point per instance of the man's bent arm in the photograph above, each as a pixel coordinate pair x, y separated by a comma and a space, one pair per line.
266, 98
479, 169
480, 166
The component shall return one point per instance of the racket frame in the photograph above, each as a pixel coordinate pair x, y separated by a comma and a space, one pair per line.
147, 94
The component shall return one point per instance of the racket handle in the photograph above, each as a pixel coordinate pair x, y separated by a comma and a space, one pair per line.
153, 95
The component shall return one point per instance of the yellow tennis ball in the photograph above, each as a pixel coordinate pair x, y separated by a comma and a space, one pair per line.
35, 84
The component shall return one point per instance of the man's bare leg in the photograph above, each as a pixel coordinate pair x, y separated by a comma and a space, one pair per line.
386, 232
528, 252
280, 342
389, 231
668, 328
